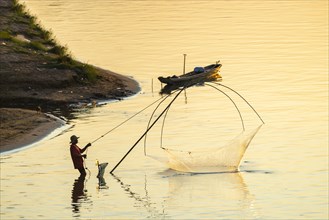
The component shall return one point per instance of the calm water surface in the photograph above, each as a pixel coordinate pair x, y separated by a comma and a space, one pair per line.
274, 53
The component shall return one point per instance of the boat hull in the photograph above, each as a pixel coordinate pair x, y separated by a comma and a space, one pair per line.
210, 73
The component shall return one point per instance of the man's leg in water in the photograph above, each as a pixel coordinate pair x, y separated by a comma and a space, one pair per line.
82, 171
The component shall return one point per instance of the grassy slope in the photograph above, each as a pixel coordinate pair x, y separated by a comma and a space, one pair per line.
36, 71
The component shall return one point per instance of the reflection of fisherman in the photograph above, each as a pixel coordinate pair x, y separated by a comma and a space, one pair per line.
76, 154
78, 193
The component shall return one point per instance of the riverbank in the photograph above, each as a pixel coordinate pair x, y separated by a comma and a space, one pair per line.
21, 127
38, 75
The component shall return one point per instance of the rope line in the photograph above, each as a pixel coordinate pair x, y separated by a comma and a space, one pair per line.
127, 120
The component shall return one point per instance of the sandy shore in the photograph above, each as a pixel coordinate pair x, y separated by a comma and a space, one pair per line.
20, 127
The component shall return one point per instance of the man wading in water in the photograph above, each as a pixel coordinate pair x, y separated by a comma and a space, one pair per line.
76, 155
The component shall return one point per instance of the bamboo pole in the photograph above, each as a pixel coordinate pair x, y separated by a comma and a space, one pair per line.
147, 130
184, 63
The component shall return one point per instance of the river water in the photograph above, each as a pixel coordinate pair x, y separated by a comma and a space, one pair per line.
274, 53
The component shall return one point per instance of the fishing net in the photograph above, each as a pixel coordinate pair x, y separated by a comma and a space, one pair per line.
220, 159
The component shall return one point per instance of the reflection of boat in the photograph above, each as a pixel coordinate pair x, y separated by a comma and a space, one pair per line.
198, 75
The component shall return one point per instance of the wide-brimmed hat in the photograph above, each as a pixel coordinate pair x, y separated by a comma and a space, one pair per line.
74, 138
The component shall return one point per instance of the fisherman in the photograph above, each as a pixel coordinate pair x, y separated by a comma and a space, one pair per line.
77, 156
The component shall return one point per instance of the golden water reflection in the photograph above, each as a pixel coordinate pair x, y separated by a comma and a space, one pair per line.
275, 53
184, 189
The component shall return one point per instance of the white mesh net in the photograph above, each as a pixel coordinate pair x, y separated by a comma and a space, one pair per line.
221, 159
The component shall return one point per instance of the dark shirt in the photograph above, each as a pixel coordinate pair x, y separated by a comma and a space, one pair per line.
76, 156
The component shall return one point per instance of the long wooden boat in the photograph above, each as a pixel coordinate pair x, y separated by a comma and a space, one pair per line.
198, 75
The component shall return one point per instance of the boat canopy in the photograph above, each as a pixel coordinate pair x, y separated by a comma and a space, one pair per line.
198, 69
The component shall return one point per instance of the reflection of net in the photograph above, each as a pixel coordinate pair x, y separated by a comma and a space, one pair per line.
223, 159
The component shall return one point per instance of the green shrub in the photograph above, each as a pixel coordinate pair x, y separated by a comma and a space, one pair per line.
37, 46
19, 8
5, 35
48, 37
60, 51
19, 42
62, 60
90, 71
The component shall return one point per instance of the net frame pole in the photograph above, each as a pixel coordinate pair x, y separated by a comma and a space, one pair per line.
243, 127
241, 98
